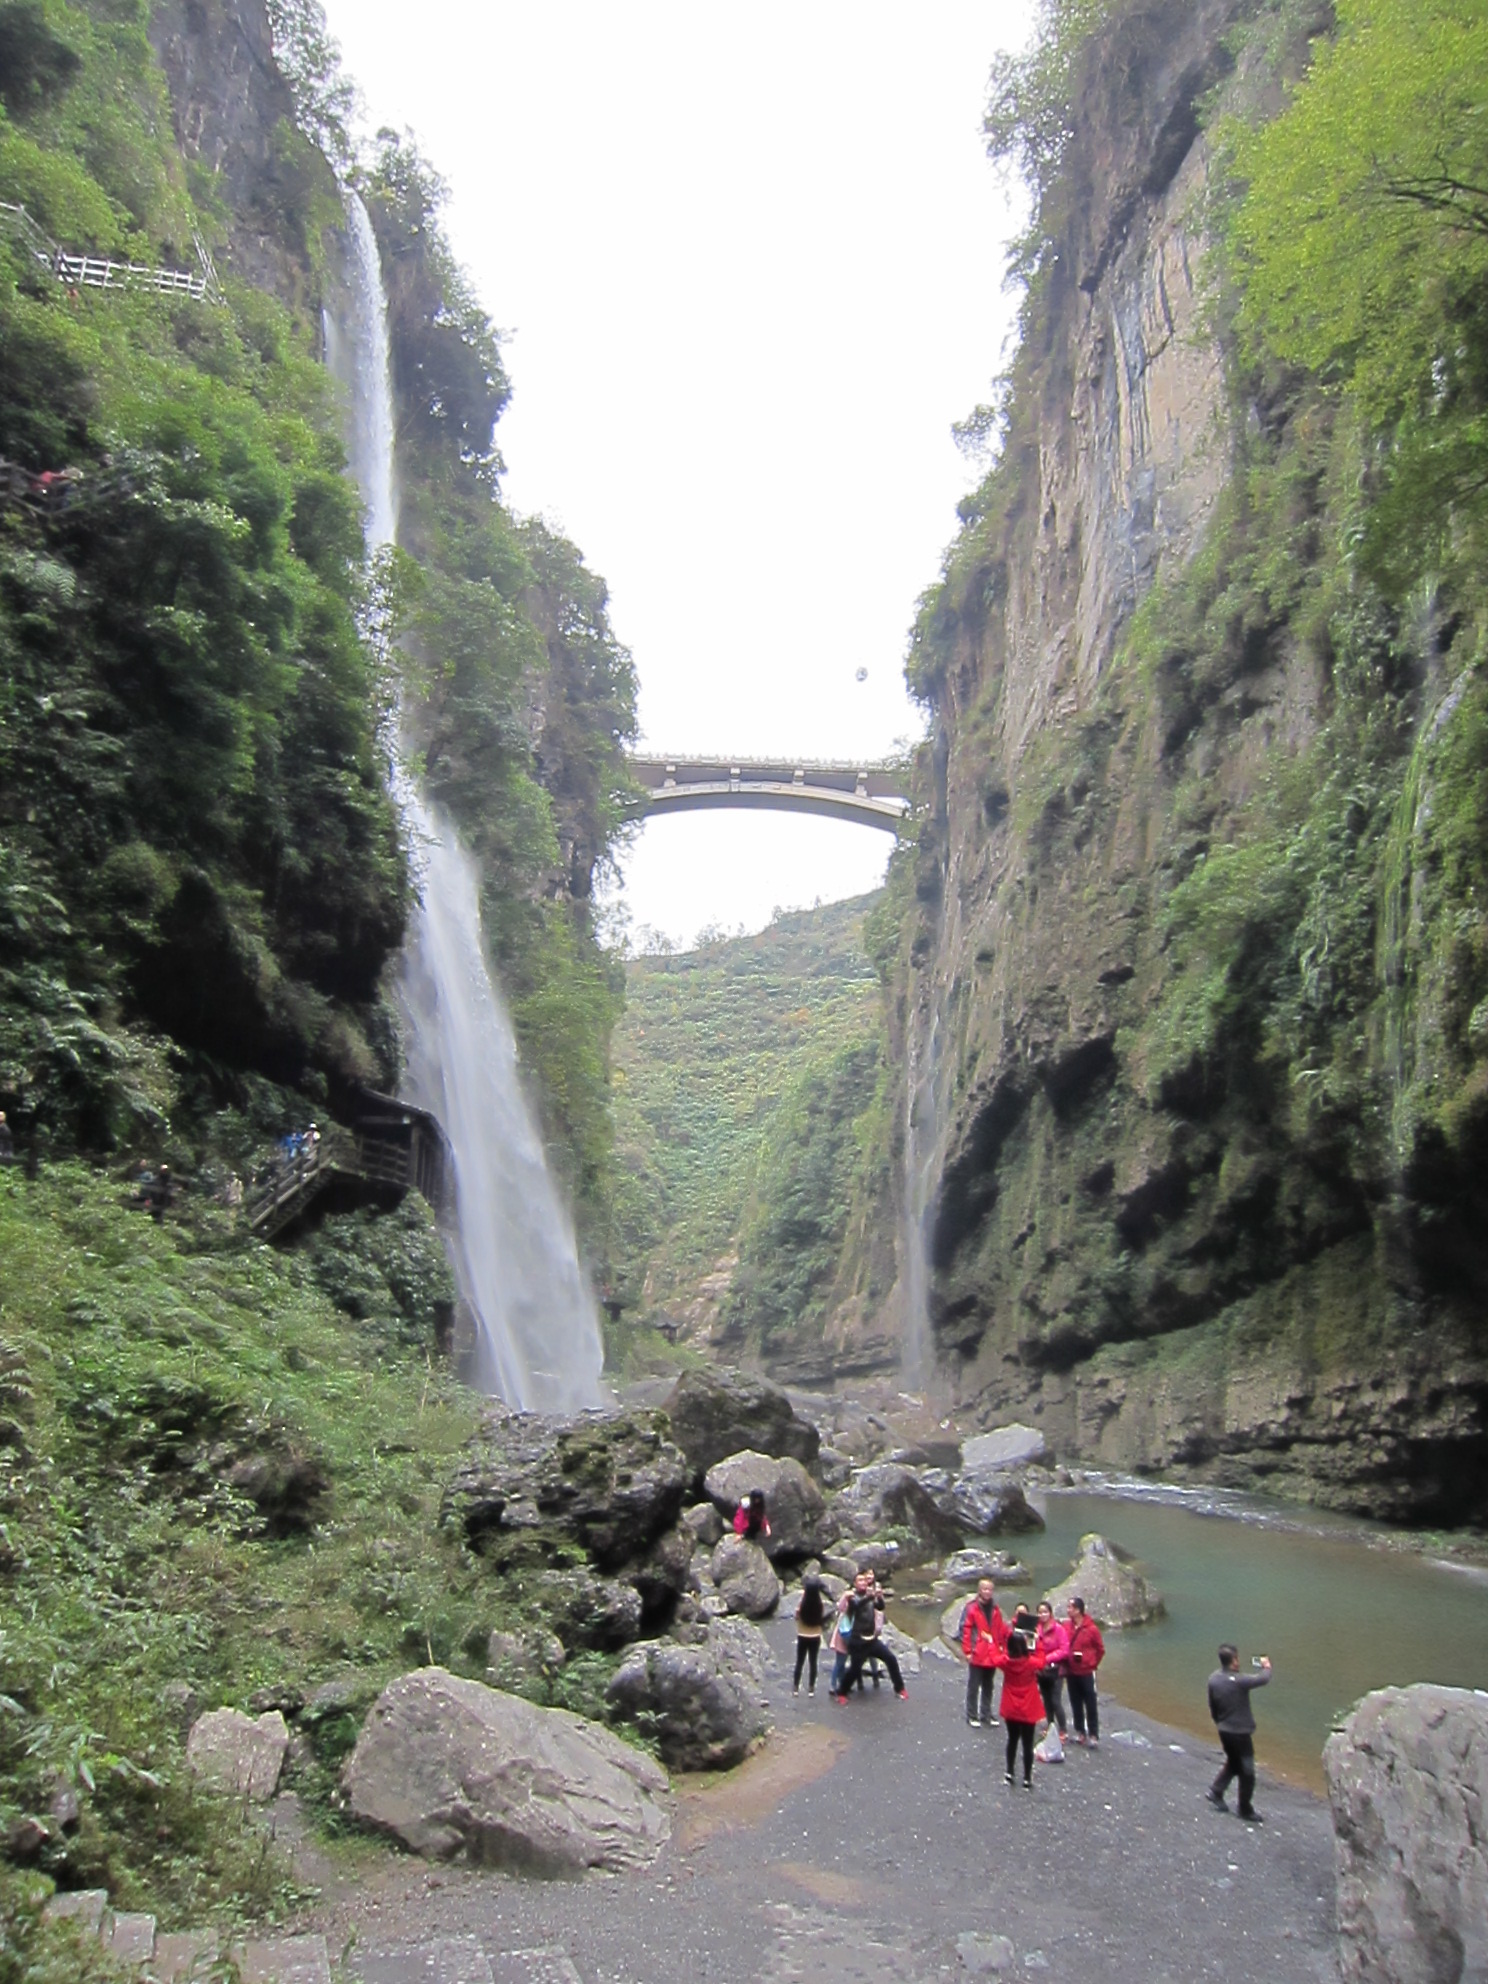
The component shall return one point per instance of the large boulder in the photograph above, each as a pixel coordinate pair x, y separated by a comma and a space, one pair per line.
985, 1504
612, 1482
661, 1576
745, 1578
720, 1412
589, 1612
450, 1766
706, 1702
971, 1566
1004, 1448
891, 1499
240, 1753
1408, 1783
796, 1506
1113, 1592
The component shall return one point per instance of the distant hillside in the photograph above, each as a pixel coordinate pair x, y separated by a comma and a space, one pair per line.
751, 1121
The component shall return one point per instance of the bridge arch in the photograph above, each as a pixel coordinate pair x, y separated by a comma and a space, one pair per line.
872, 795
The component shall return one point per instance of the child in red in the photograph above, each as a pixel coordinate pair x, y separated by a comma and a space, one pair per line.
1022, 1704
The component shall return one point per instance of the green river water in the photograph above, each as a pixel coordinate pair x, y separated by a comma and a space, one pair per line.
1337, 1613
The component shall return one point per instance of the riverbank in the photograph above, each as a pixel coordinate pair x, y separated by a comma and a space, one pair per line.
877, 1843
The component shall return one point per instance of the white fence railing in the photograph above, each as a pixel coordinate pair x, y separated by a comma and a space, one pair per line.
99, 272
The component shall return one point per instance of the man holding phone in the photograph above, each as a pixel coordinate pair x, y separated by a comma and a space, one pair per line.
1234, 1718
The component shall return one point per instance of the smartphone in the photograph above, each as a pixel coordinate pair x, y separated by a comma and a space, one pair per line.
1257, 1660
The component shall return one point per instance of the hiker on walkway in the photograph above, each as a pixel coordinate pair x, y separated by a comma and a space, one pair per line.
157, 1192
983, 1637
864, 1644
7, 1141
750, 1519
1229, 1703
1021, 1702
1051, 1638
1086, 1652
811, 1616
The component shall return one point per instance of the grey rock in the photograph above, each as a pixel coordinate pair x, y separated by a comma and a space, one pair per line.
63, 1808
24, 1839
131, 1939
88, 1907
602, 1614
713, 1605
705, 1523
795, 1505
613, 1482
515, 1659
184, 1957
706, 1703
1113, 1592
719, 1412
904, 1649
882, 1557
887, 1497
239, 1753
839, 1561
449, 1766
984, 1504
661, 1576
971, 1566
288, 1700
284, 1960
1005, 1447
986, 1956
1408, 1785
700, 1570
745, 1578
181, 1703
341, 1695
833, 1469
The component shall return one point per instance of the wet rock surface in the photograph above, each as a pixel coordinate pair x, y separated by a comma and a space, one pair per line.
891, 1497
1408, 1785
795, 1505
449, 1766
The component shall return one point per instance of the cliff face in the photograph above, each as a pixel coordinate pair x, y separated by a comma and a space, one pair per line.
1202, 1105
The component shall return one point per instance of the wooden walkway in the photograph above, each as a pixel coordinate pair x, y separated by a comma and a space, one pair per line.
99, 272
392, 1150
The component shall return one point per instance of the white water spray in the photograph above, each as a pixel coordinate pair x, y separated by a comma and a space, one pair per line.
538, 1340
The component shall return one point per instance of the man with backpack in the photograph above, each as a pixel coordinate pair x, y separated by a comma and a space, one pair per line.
984, 1637
861, 1618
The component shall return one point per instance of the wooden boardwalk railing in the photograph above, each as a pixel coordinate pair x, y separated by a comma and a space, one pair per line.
99, 272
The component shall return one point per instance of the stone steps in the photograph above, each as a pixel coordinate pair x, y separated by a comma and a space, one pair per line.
186, 1957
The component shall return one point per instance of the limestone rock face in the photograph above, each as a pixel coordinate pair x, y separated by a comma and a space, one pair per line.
720, 1412
450, 1766
706, 1701
745, 1578
796, 1506
239, 1753
613, 1482
1408, 1784
969, 1567
987, 1504
705, 1523
1115, 1595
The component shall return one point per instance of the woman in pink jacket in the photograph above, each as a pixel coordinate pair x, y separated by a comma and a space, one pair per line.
1052, 1641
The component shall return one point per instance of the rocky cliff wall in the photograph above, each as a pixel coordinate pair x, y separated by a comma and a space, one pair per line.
1171, 946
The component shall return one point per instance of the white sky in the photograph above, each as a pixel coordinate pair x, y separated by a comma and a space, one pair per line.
750, 263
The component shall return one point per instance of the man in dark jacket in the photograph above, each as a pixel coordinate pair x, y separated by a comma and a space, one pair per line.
861, 1623
1229, 1704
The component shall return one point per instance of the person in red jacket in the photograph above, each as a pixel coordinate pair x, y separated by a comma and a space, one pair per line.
983, 1637
1086, 1652
1022, 1704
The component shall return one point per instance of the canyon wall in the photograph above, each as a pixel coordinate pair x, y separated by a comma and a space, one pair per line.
1183, 938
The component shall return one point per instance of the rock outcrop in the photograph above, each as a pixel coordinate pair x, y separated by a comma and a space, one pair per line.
888, 1497
715, 1413
706, 1701
1408, 1784
796, 1507
1114, 1593
240, 1753
745, 1578
449, 1767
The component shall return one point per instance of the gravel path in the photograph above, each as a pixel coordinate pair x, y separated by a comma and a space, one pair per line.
879, 1842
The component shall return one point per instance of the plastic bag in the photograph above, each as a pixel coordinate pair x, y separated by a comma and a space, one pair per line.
1051, 1750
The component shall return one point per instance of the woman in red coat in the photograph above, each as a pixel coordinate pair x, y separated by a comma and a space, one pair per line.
1022, 1704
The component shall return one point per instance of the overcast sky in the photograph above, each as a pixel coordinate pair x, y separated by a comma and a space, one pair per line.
749, 262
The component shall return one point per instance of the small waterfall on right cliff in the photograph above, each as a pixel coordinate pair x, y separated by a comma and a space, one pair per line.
920, 1139
538, 1339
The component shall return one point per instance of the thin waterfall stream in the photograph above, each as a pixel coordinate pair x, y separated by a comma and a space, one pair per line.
538, 1343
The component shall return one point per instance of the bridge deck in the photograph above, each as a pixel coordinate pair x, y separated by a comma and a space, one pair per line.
873, 795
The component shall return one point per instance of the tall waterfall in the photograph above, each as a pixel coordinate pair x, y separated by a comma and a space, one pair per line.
538, 1340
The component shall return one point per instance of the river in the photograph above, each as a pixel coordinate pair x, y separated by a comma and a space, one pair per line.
1338, 1611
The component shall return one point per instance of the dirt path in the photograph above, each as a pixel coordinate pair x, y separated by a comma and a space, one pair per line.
879, 1842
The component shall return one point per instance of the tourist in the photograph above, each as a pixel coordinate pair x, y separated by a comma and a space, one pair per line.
983, 1638
839, 1642
1086, 1652
1021, 1702
811, 1615
1229, 1703
864, 1612
1052, 1640
750, 1519
7, 1141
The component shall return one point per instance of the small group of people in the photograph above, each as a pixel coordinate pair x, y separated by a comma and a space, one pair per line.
853, 1628
1039, 1656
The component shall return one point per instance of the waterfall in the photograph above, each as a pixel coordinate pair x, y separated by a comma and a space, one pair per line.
919, 1168
538, 1343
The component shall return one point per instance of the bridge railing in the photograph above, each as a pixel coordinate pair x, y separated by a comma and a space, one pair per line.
100, 271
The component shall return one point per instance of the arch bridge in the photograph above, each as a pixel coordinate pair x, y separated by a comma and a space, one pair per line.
871, 794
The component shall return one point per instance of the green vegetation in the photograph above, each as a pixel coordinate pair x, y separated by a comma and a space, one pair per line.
750, 1088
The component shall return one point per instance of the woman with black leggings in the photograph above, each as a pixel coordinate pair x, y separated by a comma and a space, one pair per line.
1022, 1705
811, 1616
